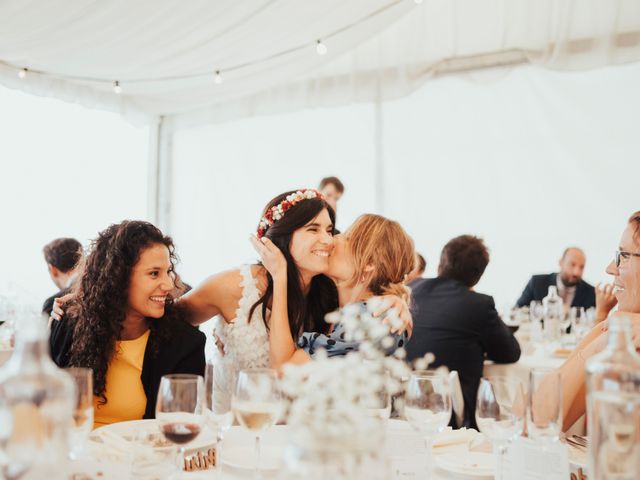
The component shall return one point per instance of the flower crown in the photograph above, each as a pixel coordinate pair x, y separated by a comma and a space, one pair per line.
276, 212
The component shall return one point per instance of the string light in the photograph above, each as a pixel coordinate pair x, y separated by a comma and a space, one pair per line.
321, 48
418, 2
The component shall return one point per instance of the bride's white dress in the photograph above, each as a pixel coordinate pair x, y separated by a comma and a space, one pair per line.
246, 344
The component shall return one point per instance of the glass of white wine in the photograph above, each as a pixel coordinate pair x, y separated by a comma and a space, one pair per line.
428, 406
257, 404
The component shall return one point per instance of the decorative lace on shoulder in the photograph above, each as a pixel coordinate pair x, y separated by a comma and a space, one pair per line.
250, 293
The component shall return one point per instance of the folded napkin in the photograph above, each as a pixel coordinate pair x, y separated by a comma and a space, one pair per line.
462, 440
110, 445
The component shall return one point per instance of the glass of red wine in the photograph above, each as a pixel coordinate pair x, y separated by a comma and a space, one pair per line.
180, 409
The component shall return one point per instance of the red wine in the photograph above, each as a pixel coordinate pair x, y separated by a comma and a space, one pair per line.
180, 432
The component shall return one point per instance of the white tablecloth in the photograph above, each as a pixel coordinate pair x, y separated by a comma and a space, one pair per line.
520, 370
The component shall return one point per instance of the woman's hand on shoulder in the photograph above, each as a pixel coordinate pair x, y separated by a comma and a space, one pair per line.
59, 306
270, 256
401, 309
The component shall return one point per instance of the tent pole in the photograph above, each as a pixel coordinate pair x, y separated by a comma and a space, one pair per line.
160, 169
165, 170
152, 172
378, 152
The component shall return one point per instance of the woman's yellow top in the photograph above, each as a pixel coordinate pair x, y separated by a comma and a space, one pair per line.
126, 399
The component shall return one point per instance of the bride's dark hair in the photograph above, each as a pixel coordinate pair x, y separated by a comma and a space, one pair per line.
306, 313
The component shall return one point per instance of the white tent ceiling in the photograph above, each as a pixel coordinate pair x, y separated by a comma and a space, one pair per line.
164, 53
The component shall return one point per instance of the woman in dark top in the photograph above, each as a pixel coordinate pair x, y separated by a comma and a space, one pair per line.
121, 323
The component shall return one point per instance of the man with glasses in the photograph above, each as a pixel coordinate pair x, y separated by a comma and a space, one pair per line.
573, 290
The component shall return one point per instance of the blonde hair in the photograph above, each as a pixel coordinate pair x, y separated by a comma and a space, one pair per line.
376, 241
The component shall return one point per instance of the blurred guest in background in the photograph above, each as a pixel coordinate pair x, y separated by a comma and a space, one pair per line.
458, 325
573, 290
121, 323
332, 189
419, 266
63, 257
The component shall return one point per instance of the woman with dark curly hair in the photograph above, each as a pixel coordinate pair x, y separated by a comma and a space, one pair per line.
122, 323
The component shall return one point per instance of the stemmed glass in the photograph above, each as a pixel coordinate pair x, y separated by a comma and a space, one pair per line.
83, 411
500, 412
217, 420
536, 313
428, 406
180, 408
256, 404
545, 405
579, 322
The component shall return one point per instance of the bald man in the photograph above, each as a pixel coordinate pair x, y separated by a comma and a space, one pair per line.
574, 291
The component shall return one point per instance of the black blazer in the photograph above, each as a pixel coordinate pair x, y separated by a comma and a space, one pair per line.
181, 352
460, 327
538, 288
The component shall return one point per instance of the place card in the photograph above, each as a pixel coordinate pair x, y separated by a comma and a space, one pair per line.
527, 459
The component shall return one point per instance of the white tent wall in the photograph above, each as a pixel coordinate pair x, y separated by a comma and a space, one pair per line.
65, 171
529, 159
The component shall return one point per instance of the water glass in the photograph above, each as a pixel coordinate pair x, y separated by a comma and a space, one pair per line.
614, 435
428, 406
217, 420
500, 413
545, 404
83, 411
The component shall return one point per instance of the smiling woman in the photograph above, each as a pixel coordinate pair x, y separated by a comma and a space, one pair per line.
122, 324
625, 269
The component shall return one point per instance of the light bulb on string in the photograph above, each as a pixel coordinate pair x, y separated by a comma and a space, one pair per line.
418, 2
217, 77
321, 48
116, 87
22, 73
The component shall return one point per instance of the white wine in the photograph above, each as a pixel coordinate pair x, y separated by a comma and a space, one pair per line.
256, 416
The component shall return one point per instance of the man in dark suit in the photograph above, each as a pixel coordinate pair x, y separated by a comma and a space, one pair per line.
459, 326
62, 256
574, 291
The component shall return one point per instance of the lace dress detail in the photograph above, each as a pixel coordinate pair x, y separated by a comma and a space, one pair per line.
246, 344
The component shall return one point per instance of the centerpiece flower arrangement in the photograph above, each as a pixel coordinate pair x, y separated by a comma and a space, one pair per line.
335, 402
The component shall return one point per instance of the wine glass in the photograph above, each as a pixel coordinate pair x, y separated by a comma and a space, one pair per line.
536, 314
256, 404
180, 408
500, 411
579, 322
545, 404
217, 418
83, 411
428, 406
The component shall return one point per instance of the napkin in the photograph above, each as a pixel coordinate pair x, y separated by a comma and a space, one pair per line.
450, 438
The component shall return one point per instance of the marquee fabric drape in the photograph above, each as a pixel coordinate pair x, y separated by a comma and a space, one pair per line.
164, 53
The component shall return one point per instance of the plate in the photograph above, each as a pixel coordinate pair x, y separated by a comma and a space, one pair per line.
471, 464
127, 430
243, 457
